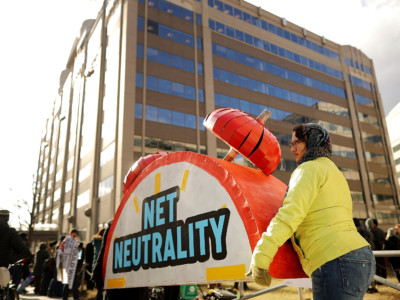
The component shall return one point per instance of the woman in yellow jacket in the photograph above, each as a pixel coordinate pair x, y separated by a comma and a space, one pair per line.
317, 215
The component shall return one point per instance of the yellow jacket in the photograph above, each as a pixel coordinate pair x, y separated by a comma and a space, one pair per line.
317, 214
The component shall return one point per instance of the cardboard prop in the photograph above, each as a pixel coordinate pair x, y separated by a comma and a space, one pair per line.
190, 218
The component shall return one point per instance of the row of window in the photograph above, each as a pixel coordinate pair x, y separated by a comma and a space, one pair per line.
107, 154
172, 9
237, 13
396, 148
169, 87
358, 66
368, 119
187, 15
276, 70
106, 186
168, 116
170, 60
170, 33
359, 82
167, 145
269, 47
261, 87
362, 100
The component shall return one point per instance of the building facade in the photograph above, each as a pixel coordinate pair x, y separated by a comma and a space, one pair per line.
393, 124
142, 76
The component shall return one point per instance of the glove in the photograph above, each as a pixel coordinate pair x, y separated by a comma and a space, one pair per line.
260, 276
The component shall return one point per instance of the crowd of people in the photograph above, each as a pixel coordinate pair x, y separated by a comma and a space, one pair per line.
47, 267
379, 240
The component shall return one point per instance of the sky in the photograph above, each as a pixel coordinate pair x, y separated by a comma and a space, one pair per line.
37, 37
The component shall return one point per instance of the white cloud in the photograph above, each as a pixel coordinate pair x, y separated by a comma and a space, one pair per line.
373, 26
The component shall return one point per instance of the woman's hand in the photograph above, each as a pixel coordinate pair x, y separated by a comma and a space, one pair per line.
260, 276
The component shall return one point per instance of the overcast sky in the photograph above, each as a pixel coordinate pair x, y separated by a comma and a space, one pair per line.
37, 37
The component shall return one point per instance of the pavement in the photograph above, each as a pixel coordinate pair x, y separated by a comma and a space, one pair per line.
30, 295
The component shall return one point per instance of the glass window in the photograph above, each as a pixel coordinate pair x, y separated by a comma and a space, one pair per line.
178, 89
228, 9
139, 50
164, 116
188, 39
139, 80
177, 62
238, 13
239, 35
152, 27
178, 118
165, 32
151, 83
248, 39
220, 27
201, 95
245, 105
151, 113
138, 110
246, 17
152, 54
224, 101
188, 65
235, 103
211, 24
164, 86
230, 31
199, 68
164, 58
190, 92
188, 15
177, 11
190, 121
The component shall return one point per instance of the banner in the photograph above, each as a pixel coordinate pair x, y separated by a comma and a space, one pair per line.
67, 260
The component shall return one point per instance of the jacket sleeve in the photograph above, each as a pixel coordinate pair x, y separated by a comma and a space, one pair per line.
19, 246
303, 188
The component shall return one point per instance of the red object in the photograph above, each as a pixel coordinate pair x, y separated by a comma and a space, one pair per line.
257, 199
139, 166
247, 136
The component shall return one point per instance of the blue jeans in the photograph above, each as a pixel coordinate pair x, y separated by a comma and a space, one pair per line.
346, 277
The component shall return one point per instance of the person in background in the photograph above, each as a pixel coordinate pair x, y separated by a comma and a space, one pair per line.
70, 243
12, 248
55, 286
397, 227
393, 243
41, 255
364, 232
317, 215
379, 242
92, 252
88, 265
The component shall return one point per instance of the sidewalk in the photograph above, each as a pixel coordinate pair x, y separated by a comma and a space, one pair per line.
31, 295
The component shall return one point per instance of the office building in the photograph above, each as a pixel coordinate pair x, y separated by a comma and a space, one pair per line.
142, 76
393, 124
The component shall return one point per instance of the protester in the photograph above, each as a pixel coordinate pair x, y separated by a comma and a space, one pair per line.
92, 252
379, 242
393, 243
40, 258
88, 265
364, 232
12, 247
55, 286
397, 227
96, 242
316, 214
67, 261
97, 275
